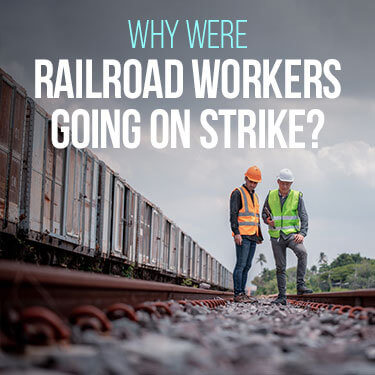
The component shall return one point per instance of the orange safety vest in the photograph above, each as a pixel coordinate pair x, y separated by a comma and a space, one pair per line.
248, 215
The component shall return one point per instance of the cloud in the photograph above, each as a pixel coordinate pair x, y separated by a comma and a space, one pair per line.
352, 159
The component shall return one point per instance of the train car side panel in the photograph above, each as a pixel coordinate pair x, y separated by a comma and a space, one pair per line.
104, 224
118, 219
166, 243
130, 219
173, 250
94, 204
38, 137
144, 232
12, 116
155, 251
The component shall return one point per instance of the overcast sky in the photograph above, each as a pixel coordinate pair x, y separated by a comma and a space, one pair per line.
192, 186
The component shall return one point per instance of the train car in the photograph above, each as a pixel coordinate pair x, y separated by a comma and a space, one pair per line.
69, 199
149, 234
59, 199
169, 246
117, 216
12, 123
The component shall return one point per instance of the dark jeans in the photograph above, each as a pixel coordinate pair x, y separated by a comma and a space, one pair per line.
244, 254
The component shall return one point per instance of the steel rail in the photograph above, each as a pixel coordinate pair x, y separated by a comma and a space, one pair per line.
362, 297
25, 285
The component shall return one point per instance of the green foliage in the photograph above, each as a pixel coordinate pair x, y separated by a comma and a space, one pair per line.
128, 272
268, 275
363, 277
340, 274
346, 272
269, 287
323, 268
324, 282
345, 259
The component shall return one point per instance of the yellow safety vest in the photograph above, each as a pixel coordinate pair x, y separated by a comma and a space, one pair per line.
286, 219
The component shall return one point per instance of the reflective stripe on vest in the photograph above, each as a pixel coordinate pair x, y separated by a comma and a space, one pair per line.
286, 219
248, 215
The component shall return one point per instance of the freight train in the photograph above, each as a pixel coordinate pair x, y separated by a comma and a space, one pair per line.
71, 201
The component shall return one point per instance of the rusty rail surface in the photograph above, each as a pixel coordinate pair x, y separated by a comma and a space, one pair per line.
362, 298
24, 285
39, 304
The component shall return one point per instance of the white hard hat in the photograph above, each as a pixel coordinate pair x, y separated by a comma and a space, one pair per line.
286, 175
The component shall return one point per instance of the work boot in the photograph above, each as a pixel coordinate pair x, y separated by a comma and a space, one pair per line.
280, 300
238, 298
242, 297
303, 290
250, 299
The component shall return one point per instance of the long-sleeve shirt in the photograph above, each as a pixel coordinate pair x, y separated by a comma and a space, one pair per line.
302, 213
235, 206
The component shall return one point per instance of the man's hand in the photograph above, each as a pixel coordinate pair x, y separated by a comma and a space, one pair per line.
238, 239
298, 238
270, 222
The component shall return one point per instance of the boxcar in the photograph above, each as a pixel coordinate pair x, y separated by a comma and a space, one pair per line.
117, 216
59, 199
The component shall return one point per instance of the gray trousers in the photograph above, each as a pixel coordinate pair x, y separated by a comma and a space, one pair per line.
279, 246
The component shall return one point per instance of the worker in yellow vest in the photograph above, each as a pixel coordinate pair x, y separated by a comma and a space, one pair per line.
245, 224
285, 213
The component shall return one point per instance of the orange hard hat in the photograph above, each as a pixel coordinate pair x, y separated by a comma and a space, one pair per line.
253, 174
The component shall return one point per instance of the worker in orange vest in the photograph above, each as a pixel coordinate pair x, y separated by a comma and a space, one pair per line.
245, 224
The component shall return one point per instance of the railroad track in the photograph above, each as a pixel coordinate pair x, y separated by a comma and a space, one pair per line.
363, 298
24, 285
38, 302
356, 303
